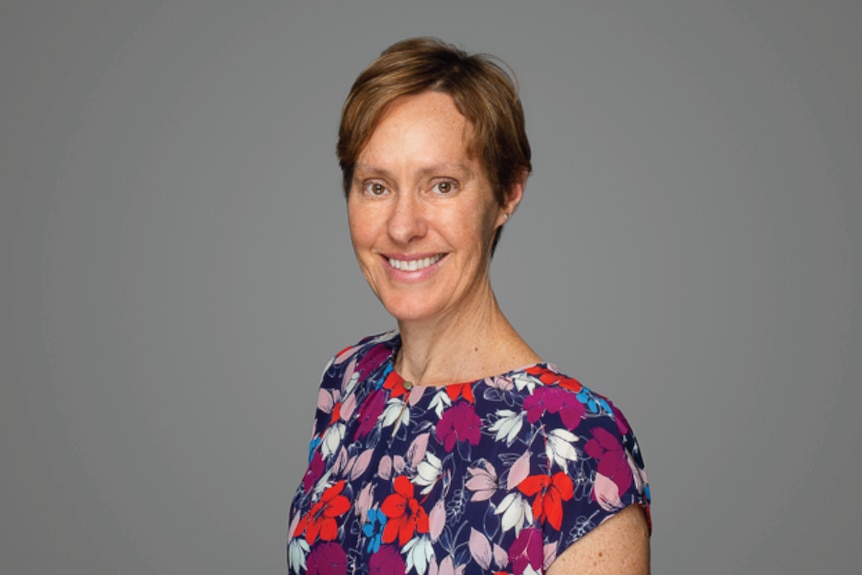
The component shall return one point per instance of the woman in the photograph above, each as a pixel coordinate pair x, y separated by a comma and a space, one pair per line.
449, 446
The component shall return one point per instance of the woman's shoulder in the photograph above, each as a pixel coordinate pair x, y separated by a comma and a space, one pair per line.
385, 342
544, 388
364, 356
571, 415
552, 400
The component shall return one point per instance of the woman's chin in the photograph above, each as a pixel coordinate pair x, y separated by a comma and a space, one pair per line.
410, 311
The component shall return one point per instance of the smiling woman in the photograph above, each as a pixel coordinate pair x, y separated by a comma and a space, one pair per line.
422, 214
448, 445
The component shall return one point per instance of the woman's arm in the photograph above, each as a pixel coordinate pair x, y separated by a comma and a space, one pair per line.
619, 546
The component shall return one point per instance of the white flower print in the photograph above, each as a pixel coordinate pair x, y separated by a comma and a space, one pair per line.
332, 439
440, 402
524, 381
350, 379
516, 512
297, 550
428, 472
559, 448
396, 412
507, 426
420, 552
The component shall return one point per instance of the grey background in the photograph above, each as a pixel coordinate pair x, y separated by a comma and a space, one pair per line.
176, 268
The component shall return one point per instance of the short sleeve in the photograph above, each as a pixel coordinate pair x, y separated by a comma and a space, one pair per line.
607, 476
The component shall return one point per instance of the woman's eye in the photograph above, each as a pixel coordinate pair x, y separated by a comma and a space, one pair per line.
375, 189
444, 187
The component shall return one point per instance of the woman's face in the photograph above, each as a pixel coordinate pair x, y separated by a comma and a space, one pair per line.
422, 214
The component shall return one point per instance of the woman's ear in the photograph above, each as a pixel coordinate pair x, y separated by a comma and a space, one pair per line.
514, 196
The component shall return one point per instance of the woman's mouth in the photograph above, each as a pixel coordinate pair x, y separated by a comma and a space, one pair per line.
414, 265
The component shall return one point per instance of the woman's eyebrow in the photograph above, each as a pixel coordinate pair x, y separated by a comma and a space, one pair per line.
433, 170
446, 168
369, 170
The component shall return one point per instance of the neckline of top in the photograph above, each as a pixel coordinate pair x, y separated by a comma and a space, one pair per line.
394, 344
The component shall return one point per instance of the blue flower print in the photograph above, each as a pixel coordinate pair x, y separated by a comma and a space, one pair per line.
593, 401
373, 529
312, 446
386, 370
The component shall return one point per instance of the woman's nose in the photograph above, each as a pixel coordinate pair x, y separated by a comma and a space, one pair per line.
407, 219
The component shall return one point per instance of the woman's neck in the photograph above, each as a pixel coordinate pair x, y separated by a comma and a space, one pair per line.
457, 348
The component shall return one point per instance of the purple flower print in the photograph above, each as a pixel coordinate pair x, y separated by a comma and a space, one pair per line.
369, 413
314, 472
371, 360
527, 550
459, 423
613, 464
554, 400
387, 561
327, 559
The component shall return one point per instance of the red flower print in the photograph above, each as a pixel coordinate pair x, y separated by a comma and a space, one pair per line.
550, 493
457, 390
459, 423
405, 516
320, 519
395, 383
571, 384
544, 374
551, 377
336, 413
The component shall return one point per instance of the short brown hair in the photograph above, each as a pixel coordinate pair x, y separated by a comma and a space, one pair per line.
483, 92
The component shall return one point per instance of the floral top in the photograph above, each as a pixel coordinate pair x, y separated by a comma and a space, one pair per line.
498, 475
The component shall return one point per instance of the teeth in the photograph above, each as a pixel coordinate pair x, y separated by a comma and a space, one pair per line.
413, 265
